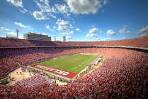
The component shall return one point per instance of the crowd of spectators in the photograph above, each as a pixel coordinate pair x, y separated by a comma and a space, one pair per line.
34, 81
12, 42
137, 42
121, 75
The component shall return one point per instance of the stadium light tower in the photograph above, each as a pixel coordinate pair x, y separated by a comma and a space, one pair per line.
54, 38
17, 32
64, 38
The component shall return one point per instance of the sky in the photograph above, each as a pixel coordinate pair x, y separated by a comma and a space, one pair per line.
78, 20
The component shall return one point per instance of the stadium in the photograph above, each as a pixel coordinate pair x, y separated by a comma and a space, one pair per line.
73, 49
74, 69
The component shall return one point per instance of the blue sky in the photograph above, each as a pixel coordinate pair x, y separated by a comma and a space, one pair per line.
78, 20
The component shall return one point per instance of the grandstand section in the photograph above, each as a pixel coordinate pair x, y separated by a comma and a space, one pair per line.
121, 74
137, 42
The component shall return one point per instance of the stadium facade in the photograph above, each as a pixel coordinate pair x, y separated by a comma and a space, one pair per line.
36, 36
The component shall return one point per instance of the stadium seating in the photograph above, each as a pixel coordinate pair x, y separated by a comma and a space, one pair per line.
7, 42
138, 42
121, 75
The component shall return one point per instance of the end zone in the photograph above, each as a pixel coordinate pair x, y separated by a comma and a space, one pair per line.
57, 71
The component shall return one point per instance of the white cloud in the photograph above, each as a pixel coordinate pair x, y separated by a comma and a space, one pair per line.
62, 8
69, 35
84, 6
65, 28
49, 28
93, 33
47, 11
38, 15
4, 29
21, 25
110, 32
44, 33
77, 29
144, 31
63, 25
18, 4
14, 35
44, 6
145, 34
11, 34
124, 30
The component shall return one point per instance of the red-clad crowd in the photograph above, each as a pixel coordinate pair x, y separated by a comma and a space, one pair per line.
137, 42
36, 80
11, 42
121, 75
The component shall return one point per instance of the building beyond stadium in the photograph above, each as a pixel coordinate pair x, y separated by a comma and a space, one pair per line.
35, 36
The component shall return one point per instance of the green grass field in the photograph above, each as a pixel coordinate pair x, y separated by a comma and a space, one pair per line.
71, 63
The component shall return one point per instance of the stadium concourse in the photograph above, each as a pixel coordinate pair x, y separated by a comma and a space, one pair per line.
122, 75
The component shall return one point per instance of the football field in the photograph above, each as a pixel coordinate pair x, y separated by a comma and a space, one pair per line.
72, 63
